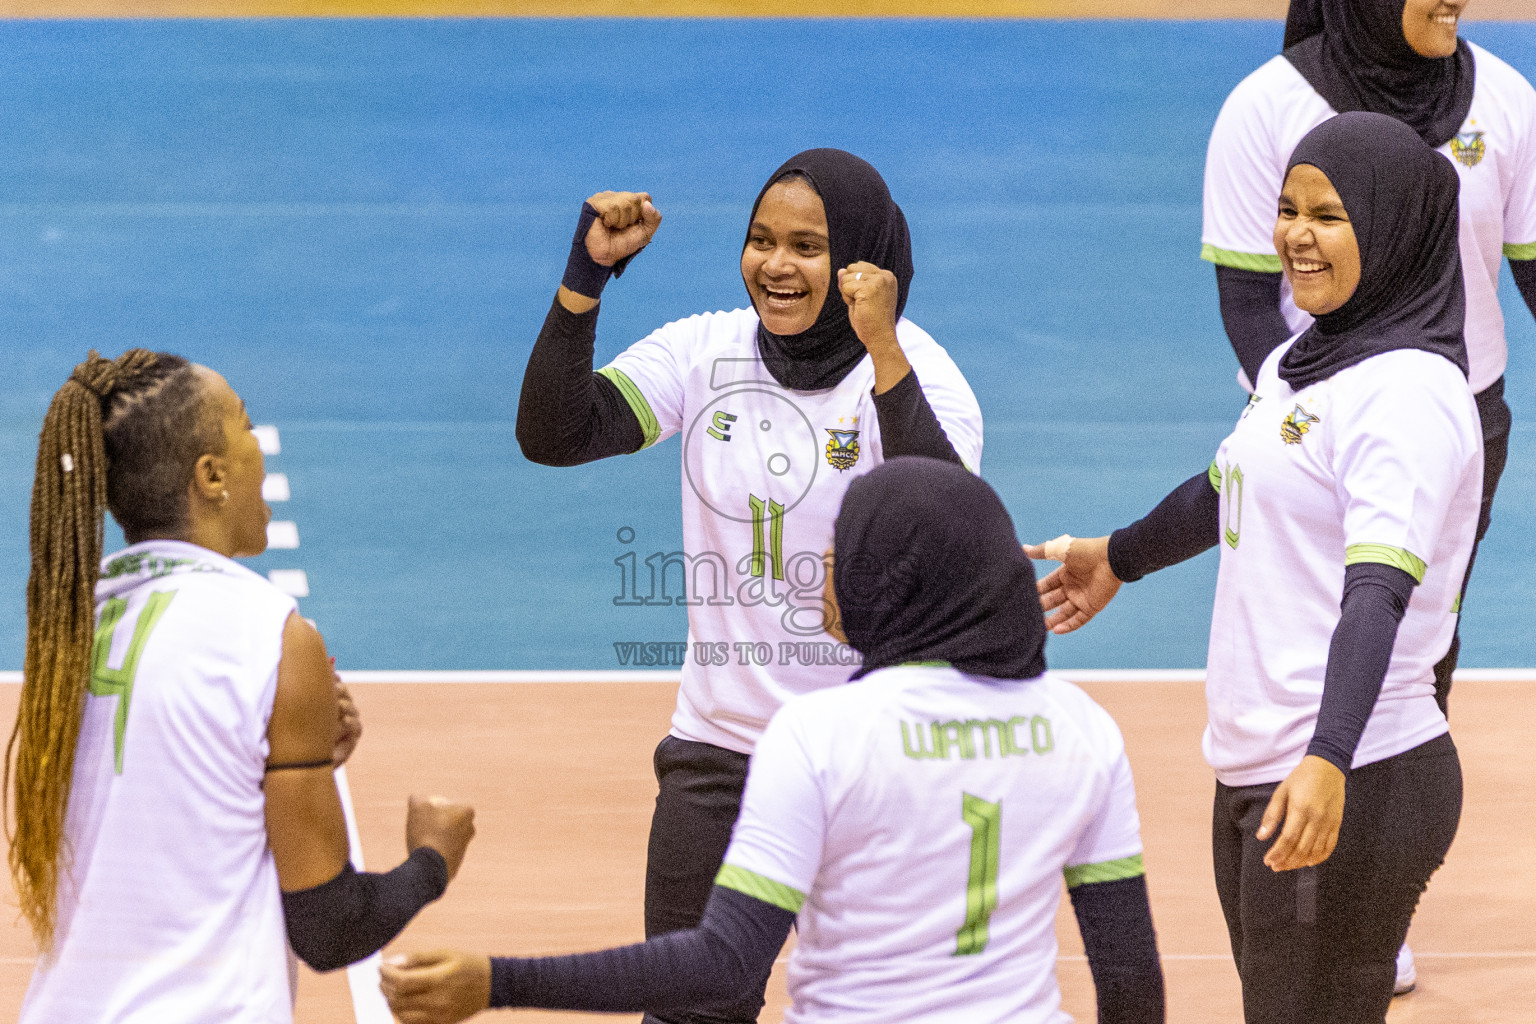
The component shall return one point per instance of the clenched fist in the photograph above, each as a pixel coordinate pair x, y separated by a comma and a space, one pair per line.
445, 825
626, 223
871, 295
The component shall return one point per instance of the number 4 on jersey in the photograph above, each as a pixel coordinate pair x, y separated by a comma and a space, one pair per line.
985, 820
108, 682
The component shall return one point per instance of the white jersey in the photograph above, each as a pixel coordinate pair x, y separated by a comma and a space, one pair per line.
169, 910
920, 822
1494, 154
1382, 462
764, 472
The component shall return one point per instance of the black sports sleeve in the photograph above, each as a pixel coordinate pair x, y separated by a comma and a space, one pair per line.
567, 414
731, 950
908, 425
1116, 921
1375, 599
1250, 311
1181, 526
1524, 272
354, 914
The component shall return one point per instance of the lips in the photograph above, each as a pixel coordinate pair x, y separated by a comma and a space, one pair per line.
1308, 267
782, 297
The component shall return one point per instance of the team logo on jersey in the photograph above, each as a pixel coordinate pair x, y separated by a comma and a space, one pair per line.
1295, 426
1468, 148
842, 448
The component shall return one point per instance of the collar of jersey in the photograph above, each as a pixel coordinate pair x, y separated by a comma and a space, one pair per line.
152, 559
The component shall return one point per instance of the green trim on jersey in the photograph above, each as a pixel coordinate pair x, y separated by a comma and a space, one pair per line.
755, 885
1520, 252
1105, 871
642, 409
1215, 476
1264, 263
926, 664
1456, 605
1386, 554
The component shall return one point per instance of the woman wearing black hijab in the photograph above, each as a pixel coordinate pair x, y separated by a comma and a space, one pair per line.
1401, 58
917, 822
780, 404
1345, 505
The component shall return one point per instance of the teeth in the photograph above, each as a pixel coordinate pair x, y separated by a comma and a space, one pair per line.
1307, 266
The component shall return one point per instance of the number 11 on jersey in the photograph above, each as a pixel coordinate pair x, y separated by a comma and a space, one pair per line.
775, 545
985, 819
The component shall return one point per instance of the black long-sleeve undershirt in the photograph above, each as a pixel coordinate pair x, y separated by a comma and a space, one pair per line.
735, 945
1188, 521
568, 415
356, 913
1115, 919
1524, 273
1250, 312
1375, 599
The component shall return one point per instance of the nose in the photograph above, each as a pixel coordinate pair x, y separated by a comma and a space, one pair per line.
778, 263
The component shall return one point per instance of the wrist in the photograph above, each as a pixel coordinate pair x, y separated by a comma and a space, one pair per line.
583, 275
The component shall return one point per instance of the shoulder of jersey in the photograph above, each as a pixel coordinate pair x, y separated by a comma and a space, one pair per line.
1499, 73
1270, 84
722, 327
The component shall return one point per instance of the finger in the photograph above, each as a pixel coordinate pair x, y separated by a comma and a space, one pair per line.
1054, 598
650, 215
1056, 549
1033, 551
1274, 814
1051, 580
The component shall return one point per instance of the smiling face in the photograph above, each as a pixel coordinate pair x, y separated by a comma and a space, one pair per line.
1316, 242
1429, 26
787, 262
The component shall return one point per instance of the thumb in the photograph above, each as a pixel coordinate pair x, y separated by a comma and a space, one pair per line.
650, 215
1274, 813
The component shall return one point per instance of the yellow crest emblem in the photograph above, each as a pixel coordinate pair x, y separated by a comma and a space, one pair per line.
1295, 426
1468, 148
842, 449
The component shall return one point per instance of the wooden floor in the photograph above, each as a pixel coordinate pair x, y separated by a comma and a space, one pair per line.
560, 776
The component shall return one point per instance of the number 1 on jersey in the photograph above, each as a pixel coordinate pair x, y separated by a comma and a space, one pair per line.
775, 546
118, 682
985, 820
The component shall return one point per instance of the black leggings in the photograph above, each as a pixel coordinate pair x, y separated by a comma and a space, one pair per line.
1496, 420
1319, 945
696, 809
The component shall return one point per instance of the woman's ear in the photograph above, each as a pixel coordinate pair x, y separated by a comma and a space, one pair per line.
210, 478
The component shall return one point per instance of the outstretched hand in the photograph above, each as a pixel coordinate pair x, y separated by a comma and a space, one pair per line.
1081, 587
626, 223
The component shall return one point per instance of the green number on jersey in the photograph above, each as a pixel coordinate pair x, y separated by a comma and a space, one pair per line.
985, 820
1233, 479
775, 545
118, 682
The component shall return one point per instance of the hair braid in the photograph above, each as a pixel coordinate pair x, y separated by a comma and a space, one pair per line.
69, 497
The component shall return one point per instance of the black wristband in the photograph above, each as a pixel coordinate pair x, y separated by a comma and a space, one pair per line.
584, 275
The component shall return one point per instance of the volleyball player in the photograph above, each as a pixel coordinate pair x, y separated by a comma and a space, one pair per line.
916, 822
1401, 58
1345, 505
177, 823
781, 405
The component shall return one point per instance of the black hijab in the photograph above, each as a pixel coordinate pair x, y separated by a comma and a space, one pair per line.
1354, 54
1401, 197
927, 568
863, 223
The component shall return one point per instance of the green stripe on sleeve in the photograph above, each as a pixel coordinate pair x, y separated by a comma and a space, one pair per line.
1265, 263
1105, 871
648, 425
1215, 475
1520, 252
759, 888
1386, 554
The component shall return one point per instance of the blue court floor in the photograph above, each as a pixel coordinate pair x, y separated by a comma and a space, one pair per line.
362, 223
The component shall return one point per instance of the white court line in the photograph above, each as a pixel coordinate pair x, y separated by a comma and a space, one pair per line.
368, 1003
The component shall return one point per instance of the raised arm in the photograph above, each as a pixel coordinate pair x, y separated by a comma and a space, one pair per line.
336, 915
567, 414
